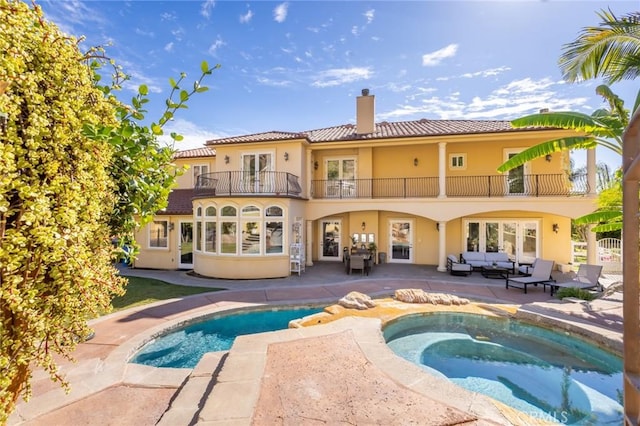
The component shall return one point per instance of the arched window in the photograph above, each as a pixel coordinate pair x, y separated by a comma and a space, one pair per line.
274, 230
228, 230
198, 232
251, 230
210, 230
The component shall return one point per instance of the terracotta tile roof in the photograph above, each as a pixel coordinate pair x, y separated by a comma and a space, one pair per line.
179, 202
196, 152
273, 135
384, 130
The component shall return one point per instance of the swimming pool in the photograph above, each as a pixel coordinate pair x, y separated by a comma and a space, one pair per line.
185, 346
545, 374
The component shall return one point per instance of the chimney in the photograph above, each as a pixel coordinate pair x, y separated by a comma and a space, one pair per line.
365, 113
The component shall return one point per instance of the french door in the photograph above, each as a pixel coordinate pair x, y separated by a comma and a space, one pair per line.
330, 246
401, 241
185, 246
256, 173
516, 183
518, 238
341, 177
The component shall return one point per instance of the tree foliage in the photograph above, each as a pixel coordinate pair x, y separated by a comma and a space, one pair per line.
611, 50
603, 127
56, 198
78, 167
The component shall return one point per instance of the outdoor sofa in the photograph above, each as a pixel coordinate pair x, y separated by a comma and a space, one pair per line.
478, 259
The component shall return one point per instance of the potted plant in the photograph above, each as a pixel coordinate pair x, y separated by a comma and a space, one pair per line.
373, 248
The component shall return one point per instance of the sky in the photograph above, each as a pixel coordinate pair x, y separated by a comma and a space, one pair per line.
299, 65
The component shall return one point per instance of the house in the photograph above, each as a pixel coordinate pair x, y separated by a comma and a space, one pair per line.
419, 190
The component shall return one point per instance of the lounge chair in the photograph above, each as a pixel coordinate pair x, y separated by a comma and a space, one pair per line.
541, 274
587, 277
456, 268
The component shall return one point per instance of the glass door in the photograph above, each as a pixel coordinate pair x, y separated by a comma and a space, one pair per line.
401, 241
330, 246
516, 178
185, 246
528, 242
341, 178
257, 176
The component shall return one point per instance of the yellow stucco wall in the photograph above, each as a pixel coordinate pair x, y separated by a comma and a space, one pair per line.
186, 180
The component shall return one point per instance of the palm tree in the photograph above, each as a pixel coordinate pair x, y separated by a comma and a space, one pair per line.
611, 51
604, 127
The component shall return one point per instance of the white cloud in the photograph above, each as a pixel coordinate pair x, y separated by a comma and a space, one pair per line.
434, 58
215, 46
178, 33
194, 136
369, 14
167, 16
339, 76
491, 72
141, 32
137, 78
355, 30
168, 47
273, 83
246, 17
280, 12
207, 7
514, 99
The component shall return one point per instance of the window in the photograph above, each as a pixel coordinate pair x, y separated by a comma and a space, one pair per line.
158, 234
199, 169
274, 230
341, 177
198, 234
210, 233
458, 161
251, 238
229, 230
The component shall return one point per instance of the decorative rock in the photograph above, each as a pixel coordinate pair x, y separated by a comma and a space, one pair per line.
356, 300
416, 295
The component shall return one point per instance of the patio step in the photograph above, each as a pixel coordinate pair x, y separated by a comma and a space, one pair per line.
193, 393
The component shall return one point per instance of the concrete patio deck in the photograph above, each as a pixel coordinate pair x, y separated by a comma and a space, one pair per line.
333, 373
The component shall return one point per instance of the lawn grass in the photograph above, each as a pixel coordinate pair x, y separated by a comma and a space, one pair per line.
141, 291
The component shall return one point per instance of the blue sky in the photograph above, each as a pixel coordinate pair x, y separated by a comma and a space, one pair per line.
299, 65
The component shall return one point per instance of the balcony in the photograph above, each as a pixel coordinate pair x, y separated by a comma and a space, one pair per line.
228, 184
550, 185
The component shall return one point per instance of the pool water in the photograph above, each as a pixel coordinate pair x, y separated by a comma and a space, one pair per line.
184, 347
547, 375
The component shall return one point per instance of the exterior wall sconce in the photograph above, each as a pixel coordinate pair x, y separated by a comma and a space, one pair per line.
364, 225
415, 162
286, 156
315, 165
548, 158
555, 228
226, 159
171, 226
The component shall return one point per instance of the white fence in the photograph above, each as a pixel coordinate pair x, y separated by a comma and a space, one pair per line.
609, 254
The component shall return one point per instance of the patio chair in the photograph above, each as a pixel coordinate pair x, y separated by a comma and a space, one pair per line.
541, 274
587, 277
527, 268
357, 262
456, 268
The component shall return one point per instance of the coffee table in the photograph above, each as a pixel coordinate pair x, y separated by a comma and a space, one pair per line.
494, 272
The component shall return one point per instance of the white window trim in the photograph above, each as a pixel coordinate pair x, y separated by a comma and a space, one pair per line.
193, 166
457, 155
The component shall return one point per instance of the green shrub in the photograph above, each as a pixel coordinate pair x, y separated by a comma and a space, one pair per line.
578, 293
